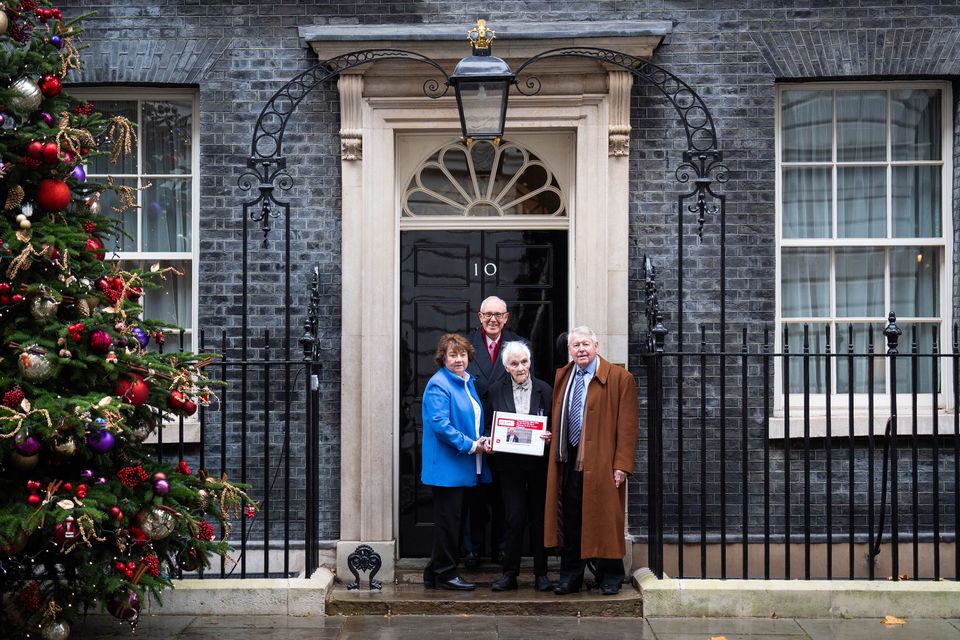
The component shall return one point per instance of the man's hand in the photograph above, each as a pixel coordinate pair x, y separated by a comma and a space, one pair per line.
619, 477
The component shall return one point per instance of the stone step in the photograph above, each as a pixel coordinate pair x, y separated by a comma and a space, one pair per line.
412, 599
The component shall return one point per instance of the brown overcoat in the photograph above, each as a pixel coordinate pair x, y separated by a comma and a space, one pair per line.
608, 442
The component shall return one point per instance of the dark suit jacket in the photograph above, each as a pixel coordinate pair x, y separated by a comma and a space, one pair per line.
500, 398
484, 372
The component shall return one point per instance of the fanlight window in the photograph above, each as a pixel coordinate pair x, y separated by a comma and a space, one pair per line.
483, 180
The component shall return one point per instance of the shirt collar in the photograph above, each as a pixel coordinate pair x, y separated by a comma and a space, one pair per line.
591, 369
489, 342
521, 387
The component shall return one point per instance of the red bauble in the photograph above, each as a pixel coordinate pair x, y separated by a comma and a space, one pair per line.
95, 245
176, 400
35, 150
189, 407
132, 389
51, 153
134, 293
100, 341
50, 85
53, 195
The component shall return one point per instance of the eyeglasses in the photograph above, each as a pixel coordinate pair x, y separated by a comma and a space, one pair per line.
499, 315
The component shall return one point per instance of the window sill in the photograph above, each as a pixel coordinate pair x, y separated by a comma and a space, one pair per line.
840, 424
171, 431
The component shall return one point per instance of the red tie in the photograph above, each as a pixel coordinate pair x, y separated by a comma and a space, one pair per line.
492, 347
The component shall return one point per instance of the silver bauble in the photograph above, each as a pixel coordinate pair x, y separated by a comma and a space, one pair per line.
4, 22
22, 462
156, 523
55, 630
66, 447
94, 206
43, 307
27, 95
143, 430
33, 366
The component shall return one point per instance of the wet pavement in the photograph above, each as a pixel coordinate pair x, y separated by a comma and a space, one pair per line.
468, 627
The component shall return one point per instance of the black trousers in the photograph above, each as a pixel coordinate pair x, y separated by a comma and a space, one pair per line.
524, 493
447, 509
609, 570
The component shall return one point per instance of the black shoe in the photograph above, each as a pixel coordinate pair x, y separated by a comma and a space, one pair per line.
471, 560
545, 584
564, 588
506, 582
609, 589
456, 583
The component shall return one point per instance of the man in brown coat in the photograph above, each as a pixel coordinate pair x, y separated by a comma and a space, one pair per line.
591, 455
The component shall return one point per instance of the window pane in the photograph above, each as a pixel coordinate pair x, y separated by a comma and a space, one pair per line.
806, 202
166, 215
859, 282
924, 346
805, 286
861, 126
167, 137
127, 163
128, 219
171, 302
916, 202
807, 126
915, 124
861, 364
816, 364
861, 202
915, 281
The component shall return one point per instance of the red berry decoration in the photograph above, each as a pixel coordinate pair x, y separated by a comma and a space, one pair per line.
51, 153
184, 468
53, 196
89, 226
116, 513
205, 531
132, 389
13, 398
30, 163
35, 150
95, 245
50, 85
153, 565
33, 499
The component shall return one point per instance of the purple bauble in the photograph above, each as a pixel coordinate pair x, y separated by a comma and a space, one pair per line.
3, 119
29, 446
125, 605
47, 118
78, 173
56, 41
86, 473
100, 341
142, 336
100, 480
161, 487
101, 441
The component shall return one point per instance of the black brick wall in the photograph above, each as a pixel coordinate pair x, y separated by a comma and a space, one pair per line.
732, 52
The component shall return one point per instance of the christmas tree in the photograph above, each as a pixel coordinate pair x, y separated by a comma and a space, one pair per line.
89, 519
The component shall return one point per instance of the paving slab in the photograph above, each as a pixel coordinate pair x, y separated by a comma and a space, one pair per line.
871, 629
730, 628
553, 628
418, 628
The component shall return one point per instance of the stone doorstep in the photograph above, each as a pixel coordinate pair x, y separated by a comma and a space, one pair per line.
796, 598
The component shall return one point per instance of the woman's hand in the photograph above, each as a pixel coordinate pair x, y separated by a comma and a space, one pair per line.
546, 436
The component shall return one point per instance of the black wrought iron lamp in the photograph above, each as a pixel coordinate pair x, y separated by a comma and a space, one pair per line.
482, 84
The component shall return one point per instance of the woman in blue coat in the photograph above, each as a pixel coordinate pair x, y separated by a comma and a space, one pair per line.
453, 447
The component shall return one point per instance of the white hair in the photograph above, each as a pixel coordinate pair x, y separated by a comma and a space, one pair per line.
582, 330
493, 299
513, 349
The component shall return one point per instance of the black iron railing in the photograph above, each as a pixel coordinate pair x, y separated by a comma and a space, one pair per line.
803, 463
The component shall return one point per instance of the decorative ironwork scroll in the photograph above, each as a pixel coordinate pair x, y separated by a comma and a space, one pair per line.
267, 167
364, 558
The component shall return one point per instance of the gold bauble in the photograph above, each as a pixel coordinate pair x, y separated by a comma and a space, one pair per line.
156, 523
66, 447
34, 366
27, 95
4, 22
22, 462
43, 307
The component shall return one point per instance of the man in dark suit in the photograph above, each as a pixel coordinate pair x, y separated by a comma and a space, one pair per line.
487, 369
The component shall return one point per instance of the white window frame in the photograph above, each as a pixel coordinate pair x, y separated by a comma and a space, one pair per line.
191, 425
839, 401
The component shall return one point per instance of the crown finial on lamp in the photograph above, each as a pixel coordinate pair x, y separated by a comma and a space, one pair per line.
481, 38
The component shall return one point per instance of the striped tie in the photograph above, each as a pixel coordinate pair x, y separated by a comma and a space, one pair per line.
576, 408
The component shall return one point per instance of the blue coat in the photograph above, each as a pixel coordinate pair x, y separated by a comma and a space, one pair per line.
448, 432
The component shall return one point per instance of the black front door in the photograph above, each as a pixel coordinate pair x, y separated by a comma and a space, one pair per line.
444, 276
